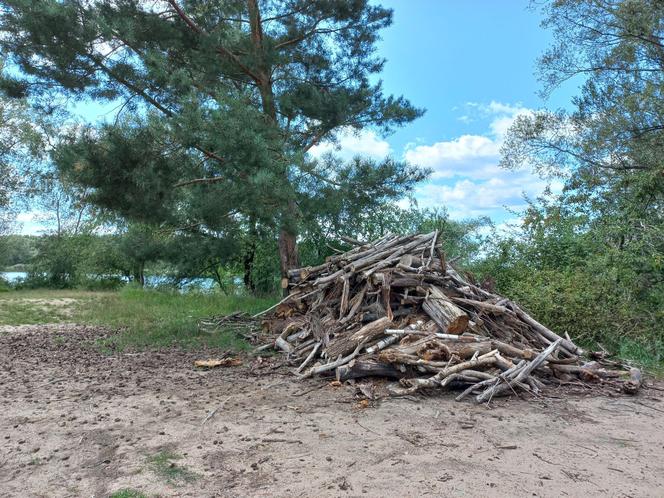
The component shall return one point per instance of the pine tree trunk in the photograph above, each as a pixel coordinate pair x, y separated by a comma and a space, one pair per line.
248, 263
288, 256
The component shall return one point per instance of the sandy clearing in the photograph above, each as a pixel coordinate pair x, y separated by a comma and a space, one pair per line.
74, 422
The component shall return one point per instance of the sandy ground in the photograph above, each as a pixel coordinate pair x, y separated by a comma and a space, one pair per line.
74, 422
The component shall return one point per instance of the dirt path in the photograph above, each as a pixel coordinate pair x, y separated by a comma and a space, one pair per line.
76, 423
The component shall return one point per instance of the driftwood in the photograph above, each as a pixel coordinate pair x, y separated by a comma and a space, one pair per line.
394, 308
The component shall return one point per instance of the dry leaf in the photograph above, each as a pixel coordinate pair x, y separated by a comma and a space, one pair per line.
225, 362
335, 383
363, 404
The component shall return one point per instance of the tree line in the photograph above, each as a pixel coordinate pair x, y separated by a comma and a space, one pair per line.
243, 264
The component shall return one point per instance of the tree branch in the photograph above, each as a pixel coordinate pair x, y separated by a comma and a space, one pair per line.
197, 181
220, 49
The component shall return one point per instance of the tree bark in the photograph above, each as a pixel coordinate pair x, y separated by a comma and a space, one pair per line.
248, 261
288, 256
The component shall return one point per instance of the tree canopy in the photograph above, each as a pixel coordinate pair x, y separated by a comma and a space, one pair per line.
219, 102
592, 257
21, 141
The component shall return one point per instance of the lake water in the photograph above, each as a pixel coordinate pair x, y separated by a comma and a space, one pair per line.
150, 280
13, 276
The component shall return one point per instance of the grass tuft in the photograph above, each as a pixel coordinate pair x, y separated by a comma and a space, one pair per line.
164, 466
127, 493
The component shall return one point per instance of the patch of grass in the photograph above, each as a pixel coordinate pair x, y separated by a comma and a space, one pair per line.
127, 493
146, 317
41, 306
164, 466
648, 355
151, 318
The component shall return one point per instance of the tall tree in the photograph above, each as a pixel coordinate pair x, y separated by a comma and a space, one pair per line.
20, 143
227, 98
609, 219
610, 148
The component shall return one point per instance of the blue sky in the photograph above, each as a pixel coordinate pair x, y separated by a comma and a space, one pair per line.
471, 64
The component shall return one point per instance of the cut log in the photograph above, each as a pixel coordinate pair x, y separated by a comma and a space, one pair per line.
344, 344
449, 317
357, 369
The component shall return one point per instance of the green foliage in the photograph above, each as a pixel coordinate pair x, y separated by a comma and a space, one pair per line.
163, 464
17, 250
260, 264
590, 260
57, 263
195, 256
20, 144
224, 100
137, 246
567, 276
127, 493
4, 285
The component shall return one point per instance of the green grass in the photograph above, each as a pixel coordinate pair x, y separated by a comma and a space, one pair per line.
42, 306
127, 493
163, 464
150, 318
146, 318
644, 354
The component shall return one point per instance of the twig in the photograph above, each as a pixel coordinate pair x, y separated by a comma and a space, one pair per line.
213, 412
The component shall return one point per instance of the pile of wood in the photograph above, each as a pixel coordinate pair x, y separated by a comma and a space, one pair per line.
395, 308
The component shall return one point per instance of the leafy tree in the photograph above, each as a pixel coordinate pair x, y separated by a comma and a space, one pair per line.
139, 245
227, 97
592, 259
16, 250
610, 148
20, 143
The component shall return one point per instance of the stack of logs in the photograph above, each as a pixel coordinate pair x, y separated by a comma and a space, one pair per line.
395, 308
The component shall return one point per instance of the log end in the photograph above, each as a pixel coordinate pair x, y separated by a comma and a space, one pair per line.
458, 325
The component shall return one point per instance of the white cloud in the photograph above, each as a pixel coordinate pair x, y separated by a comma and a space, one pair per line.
466, 175
351, 143
26, 216
469, 198
454, 157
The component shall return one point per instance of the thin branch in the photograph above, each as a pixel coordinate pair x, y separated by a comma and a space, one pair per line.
198, 181
220, 49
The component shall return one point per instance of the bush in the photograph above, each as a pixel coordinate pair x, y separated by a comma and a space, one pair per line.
597, 297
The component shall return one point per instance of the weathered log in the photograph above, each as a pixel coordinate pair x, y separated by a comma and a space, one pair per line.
484, 306
414, 385
345, 344
357, 369
449, 317
520, 374
333, 364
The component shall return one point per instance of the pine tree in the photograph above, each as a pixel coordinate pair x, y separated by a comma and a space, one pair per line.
220, 102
